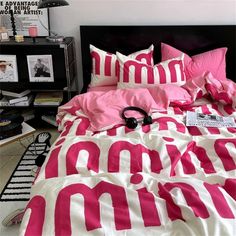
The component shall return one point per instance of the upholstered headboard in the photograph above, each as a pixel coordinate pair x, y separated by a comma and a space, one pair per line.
128, 39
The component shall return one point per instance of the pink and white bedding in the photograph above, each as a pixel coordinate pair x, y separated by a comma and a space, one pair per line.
159, 179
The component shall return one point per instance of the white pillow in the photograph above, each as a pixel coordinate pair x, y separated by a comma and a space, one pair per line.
133, 73
104, 65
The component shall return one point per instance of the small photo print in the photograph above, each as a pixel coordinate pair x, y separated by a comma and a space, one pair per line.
8, 68
40, 68
206, 117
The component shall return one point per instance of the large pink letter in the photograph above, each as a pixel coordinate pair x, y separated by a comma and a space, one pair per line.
73, 152
163, 121
173, 74
83, 126
145, 56
202, 156
66, 129
191, 196
219, 201
230, 187
186, 161
138, 71
96, 61
91, 207
148, 208
223, 153
136, 151
51, 168
107, 69
35, 225
174, 155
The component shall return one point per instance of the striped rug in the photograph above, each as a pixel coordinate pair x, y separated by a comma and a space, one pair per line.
19, 185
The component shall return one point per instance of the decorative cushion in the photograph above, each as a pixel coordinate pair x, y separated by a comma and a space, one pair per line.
133, 73
104, 65
212, 61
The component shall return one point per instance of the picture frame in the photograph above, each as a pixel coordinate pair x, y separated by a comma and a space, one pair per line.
8, 68
26, 14
40, 68
4, 34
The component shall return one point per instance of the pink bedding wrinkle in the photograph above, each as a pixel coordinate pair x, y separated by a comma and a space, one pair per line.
104, 108
222, 91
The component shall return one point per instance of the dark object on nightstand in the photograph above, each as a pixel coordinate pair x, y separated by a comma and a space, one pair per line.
13, 25
52, 3
10, 124
48, 4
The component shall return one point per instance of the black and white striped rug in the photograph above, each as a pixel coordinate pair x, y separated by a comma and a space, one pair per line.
19, 185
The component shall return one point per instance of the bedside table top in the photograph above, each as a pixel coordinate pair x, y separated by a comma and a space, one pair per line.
26, 131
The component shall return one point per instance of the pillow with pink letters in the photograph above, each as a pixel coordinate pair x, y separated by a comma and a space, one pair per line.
212, 61
104, 65
133, 73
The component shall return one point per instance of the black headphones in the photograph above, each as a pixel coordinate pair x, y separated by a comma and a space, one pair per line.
131, 122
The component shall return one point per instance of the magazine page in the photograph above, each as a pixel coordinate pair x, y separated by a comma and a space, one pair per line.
208, 120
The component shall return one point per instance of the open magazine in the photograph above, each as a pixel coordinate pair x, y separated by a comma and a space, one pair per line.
209, 120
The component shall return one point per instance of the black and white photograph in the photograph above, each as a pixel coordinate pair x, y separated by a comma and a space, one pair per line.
8, 68
40, 68
208, 117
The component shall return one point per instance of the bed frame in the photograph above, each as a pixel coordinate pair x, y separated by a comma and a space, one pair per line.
127, 39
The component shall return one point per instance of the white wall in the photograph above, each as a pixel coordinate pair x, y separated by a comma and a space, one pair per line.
66, 20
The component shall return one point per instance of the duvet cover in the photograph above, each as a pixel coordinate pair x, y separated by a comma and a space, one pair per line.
160, 179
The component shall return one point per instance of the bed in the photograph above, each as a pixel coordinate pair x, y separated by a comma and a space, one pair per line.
160, 178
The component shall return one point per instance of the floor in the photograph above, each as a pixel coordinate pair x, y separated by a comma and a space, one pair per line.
10, 154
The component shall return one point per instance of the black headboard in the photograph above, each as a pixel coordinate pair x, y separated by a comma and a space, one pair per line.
127, 39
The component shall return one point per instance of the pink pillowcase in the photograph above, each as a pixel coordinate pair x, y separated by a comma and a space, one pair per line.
104, 65
212, 61
133, 73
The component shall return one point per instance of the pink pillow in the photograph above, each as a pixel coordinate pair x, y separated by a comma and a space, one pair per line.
104, 65
212, 61
133, 73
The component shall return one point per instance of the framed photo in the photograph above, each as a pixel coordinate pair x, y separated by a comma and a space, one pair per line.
26, 14
8, 68
40, 68
4, 34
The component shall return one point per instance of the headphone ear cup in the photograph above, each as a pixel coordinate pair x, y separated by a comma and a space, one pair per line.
131, 123
147, 120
